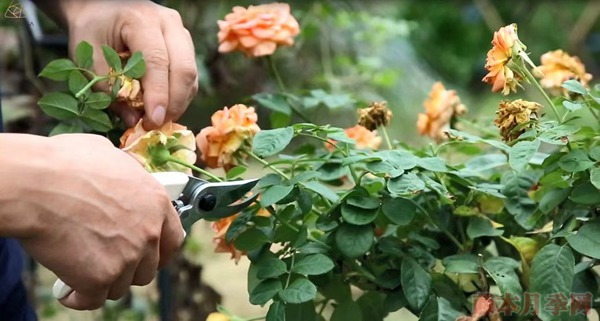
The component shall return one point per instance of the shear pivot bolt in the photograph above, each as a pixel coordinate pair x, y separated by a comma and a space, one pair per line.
207, 202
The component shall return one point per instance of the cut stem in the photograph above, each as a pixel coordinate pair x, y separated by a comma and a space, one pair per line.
197, 169
92, 82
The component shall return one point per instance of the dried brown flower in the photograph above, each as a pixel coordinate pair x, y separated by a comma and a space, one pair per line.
377, 114
511, 114
131, 91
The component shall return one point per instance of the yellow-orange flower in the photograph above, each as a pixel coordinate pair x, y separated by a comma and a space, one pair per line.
131, 91
217, 316
374, 116
441, 106
557, 67
506, 46
364, 138
257, 30
512, 114
231, 129
176, 139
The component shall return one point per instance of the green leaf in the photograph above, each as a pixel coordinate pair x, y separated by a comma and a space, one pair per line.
347, 310
354, 240
572, 106
399, 210
112, 58
479, 227
58, 70
552, 271
270, 142
408, 183
358, 216
270, 267
274, 102
434, 164
77, 82
595, 177
313, 265
372, 306
136, 66
235, 172
269, 180
251, 239
265, 291
59, 105
98, 101
84, 55
553, 198
502, 271
321, 190
574, 86
274, 194
521, 153
595, 153
276, 312
587, 240
300, 312
439, 309
66, 128
301, 290
416, 283
366, 203
586, 194
96, 119
461, 263
575, 161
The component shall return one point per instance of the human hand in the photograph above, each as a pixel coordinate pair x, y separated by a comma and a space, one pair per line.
171, 79
103, 223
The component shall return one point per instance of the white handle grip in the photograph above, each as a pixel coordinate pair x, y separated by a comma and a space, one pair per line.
174, 183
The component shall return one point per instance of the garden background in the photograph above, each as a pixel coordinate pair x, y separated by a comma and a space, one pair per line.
377, 50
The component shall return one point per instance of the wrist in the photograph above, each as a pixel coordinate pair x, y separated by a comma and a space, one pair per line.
24, 161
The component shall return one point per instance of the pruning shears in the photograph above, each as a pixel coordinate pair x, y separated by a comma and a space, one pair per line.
194, 199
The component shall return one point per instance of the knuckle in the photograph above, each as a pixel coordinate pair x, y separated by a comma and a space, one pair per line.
172, 15
157, 58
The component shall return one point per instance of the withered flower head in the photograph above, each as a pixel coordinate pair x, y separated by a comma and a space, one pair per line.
376, 115
440, 108
511, 114
557, 67
131, 91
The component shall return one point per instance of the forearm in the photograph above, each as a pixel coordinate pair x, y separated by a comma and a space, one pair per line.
23, 161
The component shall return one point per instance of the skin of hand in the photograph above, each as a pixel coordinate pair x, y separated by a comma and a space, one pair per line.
171, 79
87, 211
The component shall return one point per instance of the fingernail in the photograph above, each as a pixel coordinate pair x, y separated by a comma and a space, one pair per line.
158, 115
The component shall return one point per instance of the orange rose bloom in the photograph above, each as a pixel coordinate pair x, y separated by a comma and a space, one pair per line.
364, 138
557, 67
257, 30
177, 139
220, 227
441, 106
506, 45
231, 129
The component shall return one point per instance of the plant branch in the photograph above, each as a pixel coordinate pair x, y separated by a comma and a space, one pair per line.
537, 85
432, 221
386, 137
197, 169
266, 164
92, 82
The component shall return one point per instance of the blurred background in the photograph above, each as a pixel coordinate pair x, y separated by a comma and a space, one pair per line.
348, 54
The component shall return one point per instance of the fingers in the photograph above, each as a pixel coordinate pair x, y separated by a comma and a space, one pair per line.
171, 238
148, 38
183, 76
85, 301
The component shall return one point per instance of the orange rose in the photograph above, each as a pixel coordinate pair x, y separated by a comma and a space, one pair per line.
558, 67
177, 139
231, 128
441, 106
364, 138
506, 46
257, 30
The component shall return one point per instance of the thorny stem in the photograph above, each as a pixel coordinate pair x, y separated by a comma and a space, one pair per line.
266, 164
283, 89
198, 169
386, 137
432, 221
92, 82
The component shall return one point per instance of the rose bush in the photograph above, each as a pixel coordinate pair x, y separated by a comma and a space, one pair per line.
475, 226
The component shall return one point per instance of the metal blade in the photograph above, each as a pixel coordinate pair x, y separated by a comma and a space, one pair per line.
213, 201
